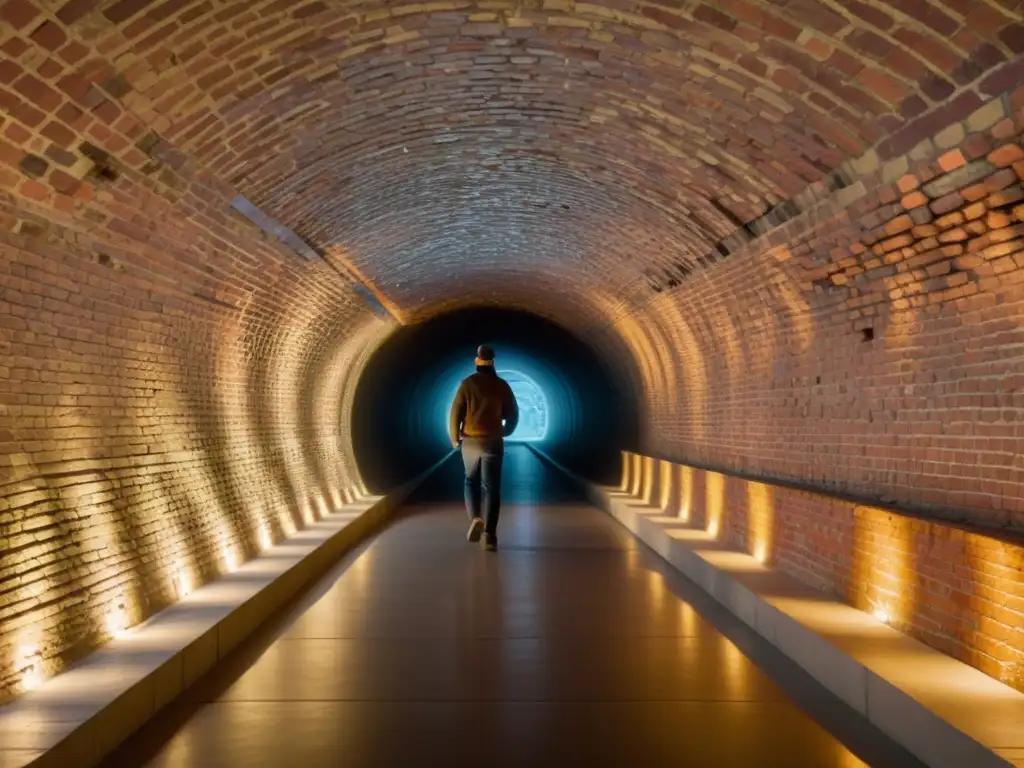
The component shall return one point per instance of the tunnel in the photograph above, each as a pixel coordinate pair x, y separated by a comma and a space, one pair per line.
569, 403
752, 268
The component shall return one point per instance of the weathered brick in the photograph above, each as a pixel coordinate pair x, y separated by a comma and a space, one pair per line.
1006, 155
952, 160
1006, 197
33, 166
957, 235
974, 211
899, 224
914, 200
908, 183
958, 179
954, 219
947, 203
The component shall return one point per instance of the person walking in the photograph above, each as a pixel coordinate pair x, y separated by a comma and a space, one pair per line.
483, 414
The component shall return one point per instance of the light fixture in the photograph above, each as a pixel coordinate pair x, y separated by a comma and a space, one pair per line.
183, 583
28, 658
117, 621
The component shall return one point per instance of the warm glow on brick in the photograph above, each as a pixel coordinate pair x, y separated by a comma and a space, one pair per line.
183, 583
265, 541
714, 489
649, 477
627, 470
117, 620
636, 477
28, 663
667, 486
685, 493
230, 558
322, 506
884, 565
926, 578
760, 520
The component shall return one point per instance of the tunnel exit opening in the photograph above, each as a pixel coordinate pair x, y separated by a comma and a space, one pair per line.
534, 408
567, 402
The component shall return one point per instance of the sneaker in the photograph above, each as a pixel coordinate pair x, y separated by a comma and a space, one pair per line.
475, 529
491, 543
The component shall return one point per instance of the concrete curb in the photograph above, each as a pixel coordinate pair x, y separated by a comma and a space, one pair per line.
764, 601
78, 717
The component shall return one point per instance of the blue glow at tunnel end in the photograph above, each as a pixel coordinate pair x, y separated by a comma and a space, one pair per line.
534, 406
534, 411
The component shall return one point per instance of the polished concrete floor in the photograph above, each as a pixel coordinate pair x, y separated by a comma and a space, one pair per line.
572, 645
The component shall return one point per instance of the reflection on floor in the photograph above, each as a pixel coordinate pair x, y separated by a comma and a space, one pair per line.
525, 481
572, 645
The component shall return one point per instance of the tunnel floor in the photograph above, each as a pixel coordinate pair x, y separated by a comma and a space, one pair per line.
573, 644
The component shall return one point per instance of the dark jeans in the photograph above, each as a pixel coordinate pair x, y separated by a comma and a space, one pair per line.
483, 460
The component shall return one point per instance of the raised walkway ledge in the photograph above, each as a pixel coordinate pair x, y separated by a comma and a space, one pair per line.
75, 719
945, 712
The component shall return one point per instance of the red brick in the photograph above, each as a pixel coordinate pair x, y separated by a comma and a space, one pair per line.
947, 203
49, 35
73, 10
14, 48
58, 133
899, 224
18, 13
125, 9
1001, 180
952, 160
974, 192
914, 200
33, 190
954, 219
73, 52
998, 219
957, 235
1006, 155
1006, 197
975, 211
37, 92
64, 183
908, 183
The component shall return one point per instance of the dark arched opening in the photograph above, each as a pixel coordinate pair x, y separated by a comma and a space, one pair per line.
573, 408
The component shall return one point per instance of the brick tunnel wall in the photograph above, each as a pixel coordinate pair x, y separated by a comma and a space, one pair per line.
172, 377
872, 346
172, 396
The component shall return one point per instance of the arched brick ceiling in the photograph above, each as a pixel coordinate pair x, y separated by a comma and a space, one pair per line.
452, 150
